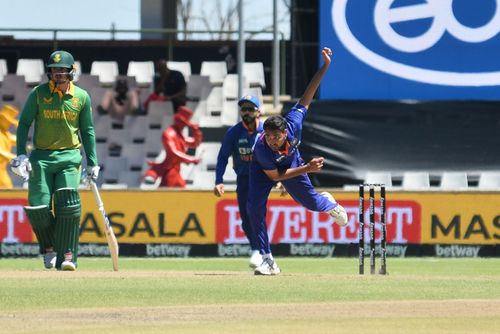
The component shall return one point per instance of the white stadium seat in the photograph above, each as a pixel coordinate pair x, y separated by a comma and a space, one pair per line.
454, 181
33, 70
143, 71
379, 178
254, 72
215, 70
106, 70
182, 66
416, 181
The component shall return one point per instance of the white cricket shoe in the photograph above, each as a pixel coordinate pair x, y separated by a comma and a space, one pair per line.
68, 266
338, 213
267, 267
255, 259
49, 260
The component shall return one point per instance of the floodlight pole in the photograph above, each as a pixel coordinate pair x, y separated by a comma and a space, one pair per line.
276, 57
241, 48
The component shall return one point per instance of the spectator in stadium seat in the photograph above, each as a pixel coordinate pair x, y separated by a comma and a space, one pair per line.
119, 102
169, 85
176, 145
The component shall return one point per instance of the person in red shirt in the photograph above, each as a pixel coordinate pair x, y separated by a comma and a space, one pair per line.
176, 145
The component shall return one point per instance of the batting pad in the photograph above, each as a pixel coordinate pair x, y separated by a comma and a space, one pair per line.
42, 222
68, 210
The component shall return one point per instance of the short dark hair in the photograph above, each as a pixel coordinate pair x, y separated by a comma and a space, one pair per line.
275, 122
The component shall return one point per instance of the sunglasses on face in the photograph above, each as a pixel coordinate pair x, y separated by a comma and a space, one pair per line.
248, 109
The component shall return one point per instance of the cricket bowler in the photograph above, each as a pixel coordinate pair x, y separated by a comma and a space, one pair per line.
276, 158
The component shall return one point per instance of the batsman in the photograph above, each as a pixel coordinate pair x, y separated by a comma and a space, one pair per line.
62, 114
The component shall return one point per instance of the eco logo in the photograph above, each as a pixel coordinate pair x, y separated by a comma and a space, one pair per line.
440, 42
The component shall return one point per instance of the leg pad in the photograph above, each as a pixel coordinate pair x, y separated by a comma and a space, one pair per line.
68, 210
43, 224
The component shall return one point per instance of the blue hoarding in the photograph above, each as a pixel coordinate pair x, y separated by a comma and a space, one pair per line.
411, 49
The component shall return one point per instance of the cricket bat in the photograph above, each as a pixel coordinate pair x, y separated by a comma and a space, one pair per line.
108, 230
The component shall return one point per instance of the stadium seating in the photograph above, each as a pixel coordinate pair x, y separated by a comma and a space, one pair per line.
122, 153
208, 154
136, 127
489, 180
14, 90
203, 180
230, 86
87, 82
101, 127
33, 70
416, 181
454, 181
130, 178
112, 167
134, 152
198, 87
107, 71
153, 144
215, 70
143, 71
3, 69
214, 102
379, 178
159, 113
78, 71
254, 72
182, 66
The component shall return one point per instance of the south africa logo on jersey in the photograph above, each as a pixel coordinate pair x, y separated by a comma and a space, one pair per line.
48, 100
57, 58
75, 102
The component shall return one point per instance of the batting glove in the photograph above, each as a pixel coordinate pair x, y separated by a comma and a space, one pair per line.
92, 173
21, 166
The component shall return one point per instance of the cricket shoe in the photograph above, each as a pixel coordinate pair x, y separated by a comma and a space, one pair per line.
49, 260
338, 212
68, 264
255, 259
268, 267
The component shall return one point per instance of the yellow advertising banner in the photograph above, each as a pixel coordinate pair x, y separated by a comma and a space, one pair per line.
460, 218
152, 217
198, 217
136, 216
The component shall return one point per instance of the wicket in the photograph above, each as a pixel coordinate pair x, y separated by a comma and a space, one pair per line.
361, 242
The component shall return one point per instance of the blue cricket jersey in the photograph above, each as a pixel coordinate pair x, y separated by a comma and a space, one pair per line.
264, 158
238, 142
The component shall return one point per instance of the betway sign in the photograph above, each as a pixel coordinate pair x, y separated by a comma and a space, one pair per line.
289, 222
408, 48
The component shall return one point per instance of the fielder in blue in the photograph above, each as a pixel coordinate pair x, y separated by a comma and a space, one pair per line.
276, 158
238, 143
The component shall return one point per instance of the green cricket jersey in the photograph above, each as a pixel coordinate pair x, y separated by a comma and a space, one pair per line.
59, 119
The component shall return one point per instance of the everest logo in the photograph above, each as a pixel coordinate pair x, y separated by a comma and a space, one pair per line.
439, 25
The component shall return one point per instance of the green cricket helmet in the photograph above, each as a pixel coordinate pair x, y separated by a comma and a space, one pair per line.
62, 59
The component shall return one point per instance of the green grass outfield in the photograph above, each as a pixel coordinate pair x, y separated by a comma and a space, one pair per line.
215, 295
